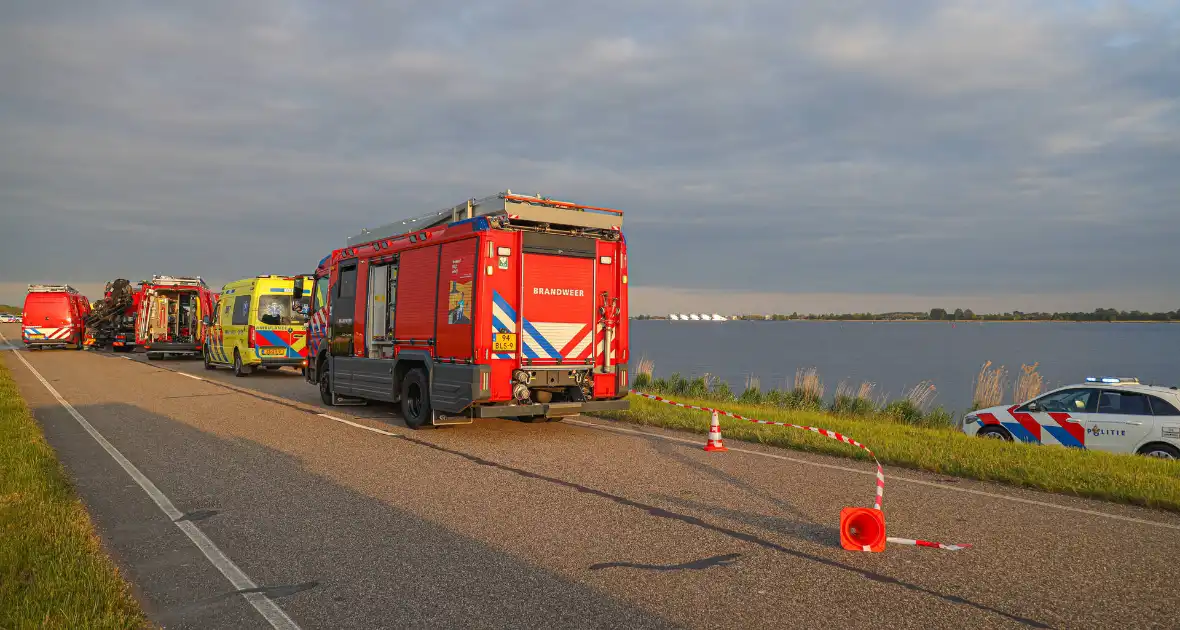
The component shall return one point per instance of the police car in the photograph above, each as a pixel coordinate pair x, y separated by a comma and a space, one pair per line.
1118, 415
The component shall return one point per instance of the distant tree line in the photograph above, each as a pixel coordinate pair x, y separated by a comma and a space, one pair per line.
960, 314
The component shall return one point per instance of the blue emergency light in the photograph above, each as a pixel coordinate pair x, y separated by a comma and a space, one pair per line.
1110, 380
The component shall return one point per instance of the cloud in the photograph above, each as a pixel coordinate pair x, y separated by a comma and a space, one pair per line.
933, 148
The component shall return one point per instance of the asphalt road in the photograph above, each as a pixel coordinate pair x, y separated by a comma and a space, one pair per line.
583, 523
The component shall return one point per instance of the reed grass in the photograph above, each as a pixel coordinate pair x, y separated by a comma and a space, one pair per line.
989, 387
1028, 384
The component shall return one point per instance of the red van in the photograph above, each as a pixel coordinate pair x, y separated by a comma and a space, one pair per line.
54, 316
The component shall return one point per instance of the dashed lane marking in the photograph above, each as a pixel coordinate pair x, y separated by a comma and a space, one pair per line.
357, 425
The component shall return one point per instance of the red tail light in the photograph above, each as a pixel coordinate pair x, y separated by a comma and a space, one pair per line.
250, 336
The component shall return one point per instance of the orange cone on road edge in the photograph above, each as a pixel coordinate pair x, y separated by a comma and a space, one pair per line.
862, 529
714, 443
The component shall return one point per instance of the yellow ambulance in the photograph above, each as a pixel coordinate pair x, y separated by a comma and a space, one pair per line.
260, 322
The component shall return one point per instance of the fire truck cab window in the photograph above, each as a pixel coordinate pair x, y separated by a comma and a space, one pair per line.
346, 288
321, 293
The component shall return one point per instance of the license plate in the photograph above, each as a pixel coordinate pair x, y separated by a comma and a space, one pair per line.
274, 352
36, 336
504, 342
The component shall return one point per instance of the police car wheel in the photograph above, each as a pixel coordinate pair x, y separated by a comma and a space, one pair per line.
995, 433
1163, 451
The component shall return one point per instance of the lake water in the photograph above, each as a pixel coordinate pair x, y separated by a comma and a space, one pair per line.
899, 355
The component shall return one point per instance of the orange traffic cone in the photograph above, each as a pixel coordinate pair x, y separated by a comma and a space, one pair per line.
714, 443
862, 529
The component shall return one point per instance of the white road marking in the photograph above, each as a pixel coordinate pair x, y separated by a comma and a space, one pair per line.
354, 424
992, 495
240, 581
195, 378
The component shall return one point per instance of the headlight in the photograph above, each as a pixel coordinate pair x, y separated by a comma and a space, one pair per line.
970, 419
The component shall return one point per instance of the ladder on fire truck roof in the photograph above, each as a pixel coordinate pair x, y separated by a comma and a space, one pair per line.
507, 208
177, 281
52, 288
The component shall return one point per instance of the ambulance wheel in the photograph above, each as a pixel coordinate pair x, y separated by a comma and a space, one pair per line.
326, 395
1162, 451
239, 369
416, 399
208, 364
995, 433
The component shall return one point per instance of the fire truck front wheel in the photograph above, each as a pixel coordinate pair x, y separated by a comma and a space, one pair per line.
325, 385
416, 409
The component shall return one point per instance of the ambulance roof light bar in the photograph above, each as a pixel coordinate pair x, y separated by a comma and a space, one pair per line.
1113, 380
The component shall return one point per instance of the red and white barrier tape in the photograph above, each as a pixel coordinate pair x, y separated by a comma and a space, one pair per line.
839, 437
925, 543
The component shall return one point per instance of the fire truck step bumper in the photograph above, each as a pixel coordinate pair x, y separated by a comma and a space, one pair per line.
552, 410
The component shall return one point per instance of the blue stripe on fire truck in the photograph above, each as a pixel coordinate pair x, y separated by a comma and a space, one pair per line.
503, 319
533, 344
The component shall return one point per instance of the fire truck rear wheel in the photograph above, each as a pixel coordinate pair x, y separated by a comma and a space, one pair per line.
416, 398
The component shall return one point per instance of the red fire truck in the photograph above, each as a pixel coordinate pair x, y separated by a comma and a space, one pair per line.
171, 313
505, 306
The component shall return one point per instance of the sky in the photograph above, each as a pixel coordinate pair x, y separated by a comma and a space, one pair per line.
769, 156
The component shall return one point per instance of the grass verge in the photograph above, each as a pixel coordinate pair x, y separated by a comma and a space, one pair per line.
1123, 478
53, 572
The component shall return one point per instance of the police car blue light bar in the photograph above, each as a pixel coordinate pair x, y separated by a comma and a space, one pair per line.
1111, 380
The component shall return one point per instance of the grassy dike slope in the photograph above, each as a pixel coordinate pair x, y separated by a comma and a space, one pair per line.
53, 572
1130, 479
